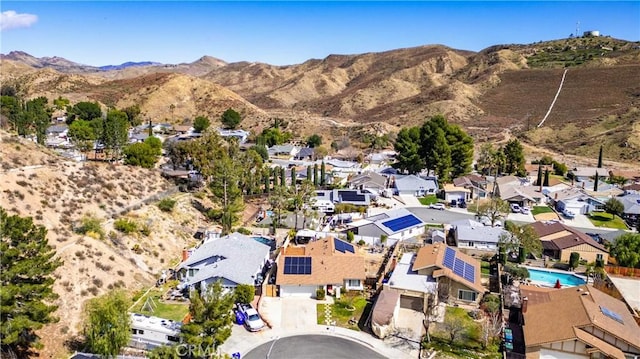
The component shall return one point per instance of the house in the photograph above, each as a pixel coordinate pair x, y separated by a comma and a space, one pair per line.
233, 259
457, 274
344, 196
631, 204
452, 194
474, 183
559, 241
414, 185
515, 190
532, 169
413, 288
630, 175
468, 233
397, 225
148, 332
305, 154
578, 322
241, 135
286, 150
329, 264
576, 200
138, 137
57, 130
183, 129
632, 188
369, 181
581, 174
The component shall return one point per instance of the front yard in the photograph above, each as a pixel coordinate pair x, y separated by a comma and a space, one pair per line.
427, 200
346, 311
607, 220
541, 209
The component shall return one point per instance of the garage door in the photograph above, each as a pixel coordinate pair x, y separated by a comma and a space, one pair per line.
297, 291
408, 302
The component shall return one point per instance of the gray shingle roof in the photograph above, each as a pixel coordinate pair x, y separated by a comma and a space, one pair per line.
472, 231
235, 257
414, 183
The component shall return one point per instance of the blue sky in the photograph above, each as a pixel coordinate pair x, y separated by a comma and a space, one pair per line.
282, 33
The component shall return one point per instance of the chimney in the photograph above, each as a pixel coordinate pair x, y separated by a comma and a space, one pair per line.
185, 254
525, 300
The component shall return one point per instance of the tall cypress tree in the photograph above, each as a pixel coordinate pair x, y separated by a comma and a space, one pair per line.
546, 178
323, 173
595, 183
539, 180
315, 175
283, 177
600, 158
293, 177
309, 173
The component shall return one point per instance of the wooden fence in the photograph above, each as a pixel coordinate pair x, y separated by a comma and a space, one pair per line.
623, 271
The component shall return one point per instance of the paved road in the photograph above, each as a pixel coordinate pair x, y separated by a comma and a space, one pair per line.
312, 347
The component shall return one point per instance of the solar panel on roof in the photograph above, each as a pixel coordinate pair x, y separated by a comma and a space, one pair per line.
351, 196
398, 224
458, 267
449, 258
297, 265
348, 247
338, 245
469, 272
611, 314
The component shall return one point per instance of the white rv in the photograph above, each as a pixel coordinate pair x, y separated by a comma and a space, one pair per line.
150, 332
323, 205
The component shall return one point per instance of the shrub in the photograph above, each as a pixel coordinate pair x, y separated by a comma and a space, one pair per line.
350, 237
244, 293
90, 225
125, 226
320, 294
361, 242
166, 205
244, 231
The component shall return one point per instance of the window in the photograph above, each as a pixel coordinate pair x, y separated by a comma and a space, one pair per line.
353, 282
467, 295
599, 256
137, 331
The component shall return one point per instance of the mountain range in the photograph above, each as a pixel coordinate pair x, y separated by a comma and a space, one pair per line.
499, 92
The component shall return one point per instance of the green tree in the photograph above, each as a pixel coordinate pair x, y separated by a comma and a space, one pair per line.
27, 264
494, 209
133, 115
11, 109
244, 293
574, 260
315, 175
155, 144
520, 238
283, 177
461, 145
560, 169
514, 155
441, 156
595, 182
61, 103
309, 173
407, 147
293, 178
302, 196
546, 178
274, 136
178, 152
600, 158
323, 174
82, 135
231, 119
115, 132
486, 159
225, 186
84, 111
211, 318
166, 352
614, 207
539, 179
108, 325
350, 237
454, 326
626, 250
314, 140
140, 154
38, 117
261, 150
201, 124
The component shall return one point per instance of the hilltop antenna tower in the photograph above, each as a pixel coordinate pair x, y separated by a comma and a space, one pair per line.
578, 29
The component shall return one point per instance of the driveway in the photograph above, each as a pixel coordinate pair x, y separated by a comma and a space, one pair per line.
580, 220
410, 200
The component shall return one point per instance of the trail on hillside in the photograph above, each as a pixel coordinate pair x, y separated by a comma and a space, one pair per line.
554, 99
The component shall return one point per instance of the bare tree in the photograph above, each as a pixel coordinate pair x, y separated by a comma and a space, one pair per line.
454, 326
491, 327
493, 209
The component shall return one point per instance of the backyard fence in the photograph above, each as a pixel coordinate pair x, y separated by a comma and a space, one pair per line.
623, 271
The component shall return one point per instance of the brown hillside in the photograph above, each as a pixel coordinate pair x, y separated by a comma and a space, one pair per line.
58, 194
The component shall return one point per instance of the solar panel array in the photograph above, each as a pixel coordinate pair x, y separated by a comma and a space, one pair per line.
459, 266
351, 196
342, 246
398, 224
297, 265
611, 314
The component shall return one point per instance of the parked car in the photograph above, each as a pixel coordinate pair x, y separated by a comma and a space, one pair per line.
568, 214
438, 206
250, 316
515, 208
525, 210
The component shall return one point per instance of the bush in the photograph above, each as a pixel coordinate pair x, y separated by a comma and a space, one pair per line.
361, 242
350, 237
166, 205
320, 294
125, 226
574, 260
91, 224
244, 231
244, 293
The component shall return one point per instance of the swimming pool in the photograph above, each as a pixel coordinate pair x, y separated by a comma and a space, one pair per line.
264, 240
548, 278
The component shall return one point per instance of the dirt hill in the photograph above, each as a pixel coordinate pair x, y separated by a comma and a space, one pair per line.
59, 194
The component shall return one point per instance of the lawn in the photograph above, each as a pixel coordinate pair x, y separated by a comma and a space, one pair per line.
343, 310
427, 200
467, 342
484, 268
173, 311
541, 209
607, 220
